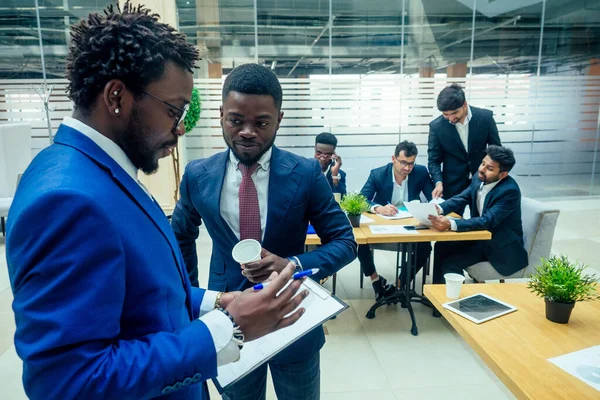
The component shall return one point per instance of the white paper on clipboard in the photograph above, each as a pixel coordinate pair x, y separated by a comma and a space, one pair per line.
320, 306
421, 211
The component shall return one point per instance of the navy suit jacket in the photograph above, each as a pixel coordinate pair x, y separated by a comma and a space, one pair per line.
298, 193
103, 305
341, 186
501, 216
379, 186
445, 147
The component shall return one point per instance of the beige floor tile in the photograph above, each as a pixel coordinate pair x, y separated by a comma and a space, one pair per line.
7, 331
360, 395
11, 387
583, 250
467, 392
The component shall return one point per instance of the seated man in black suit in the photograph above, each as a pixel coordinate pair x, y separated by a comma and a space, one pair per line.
330, 161
457, 142
495, 201
388, 188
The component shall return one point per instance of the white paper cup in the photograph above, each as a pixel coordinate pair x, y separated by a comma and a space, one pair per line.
246, 251
453, 285
337, 197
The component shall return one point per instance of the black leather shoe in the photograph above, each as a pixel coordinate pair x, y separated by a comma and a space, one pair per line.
379, 286
436, 313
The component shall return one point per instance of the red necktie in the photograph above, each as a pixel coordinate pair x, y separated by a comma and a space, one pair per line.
249, 208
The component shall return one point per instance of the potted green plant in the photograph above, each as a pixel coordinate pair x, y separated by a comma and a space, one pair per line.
354, 204
562, 283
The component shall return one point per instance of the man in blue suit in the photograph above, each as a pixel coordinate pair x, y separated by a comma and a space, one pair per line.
330, 161
255, 190
103, 304
387, 189
495, 201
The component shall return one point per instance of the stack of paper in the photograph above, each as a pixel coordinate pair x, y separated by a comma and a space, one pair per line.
391, 230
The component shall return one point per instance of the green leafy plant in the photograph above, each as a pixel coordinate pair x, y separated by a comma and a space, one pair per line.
193, 114
354, 204
560, 280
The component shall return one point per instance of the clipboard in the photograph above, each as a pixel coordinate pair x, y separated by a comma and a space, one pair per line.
320, 306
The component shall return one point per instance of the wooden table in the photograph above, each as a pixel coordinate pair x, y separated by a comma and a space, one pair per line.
407, 246
359, 236
425, 235
517, 346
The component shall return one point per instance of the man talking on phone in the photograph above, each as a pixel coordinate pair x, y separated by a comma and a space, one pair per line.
387, 189
331, 162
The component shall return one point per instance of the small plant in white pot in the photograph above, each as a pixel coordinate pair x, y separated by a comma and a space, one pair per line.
562, 283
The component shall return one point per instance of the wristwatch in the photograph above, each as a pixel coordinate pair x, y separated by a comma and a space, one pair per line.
297, 263
335, 177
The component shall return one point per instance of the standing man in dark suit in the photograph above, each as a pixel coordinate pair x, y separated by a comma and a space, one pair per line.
458, 139
330, 161
495, 201
387, 189
102, 301
254, 190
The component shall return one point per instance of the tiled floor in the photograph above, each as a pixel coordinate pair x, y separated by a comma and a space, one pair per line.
379, 358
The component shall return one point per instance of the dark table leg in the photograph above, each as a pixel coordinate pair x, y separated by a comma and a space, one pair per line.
406, 293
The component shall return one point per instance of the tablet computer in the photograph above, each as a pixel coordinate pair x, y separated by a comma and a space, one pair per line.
479, 307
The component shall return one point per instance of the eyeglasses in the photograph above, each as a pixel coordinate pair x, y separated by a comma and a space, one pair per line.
324, 155
404, 164
182, 111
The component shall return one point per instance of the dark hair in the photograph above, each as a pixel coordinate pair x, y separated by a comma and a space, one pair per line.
502, 155
326, 138
409, 149
128, 44
253, 79
451, 98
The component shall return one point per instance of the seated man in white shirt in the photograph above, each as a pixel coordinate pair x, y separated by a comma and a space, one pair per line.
495, 201
387, 189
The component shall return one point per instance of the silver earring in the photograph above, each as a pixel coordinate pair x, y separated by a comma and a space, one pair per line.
117, 110
116, 92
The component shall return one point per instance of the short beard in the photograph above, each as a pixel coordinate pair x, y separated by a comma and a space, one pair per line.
252, 161
135, 144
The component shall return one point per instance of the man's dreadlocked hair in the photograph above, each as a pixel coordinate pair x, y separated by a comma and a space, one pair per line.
129, 44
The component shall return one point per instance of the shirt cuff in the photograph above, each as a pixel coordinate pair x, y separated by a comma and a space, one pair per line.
221, 330
208, 302
453, 225
374, 207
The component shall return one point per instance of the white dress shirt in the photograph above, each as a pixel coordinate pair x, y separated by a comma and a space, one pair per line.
482, 193
218, 324
463, 129
230, 202
399, 193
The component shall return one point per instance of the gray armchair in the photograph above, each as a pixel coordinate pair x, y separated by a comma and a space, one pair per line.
539, 223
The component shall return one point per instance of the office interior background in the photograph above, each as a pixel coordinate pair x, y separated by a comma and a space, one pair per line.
369, 72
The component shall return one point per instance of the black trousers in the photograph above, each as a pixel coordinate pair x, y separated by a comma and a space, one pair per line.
455, 257
367, 264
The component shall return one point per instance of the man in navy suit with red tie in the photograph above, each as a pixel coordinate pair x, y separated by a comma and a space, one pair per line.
254, 190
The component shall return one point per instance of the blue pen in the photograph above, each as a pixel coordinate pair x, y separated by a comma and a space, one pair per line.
296, 276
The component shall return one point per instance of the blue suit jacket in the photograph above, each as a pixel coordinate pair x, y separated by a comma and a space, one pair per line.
103, 305
298, 192
341, 186
501, 216
379, 187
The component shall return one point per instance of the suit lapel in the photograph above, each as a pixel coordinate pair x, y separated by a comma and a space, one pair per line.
387, 185
210, 183
73, 138
473, 128
284, 182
